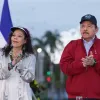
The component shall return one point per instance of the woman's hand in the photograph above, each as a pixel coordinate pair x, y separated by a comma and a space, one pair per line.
16, 60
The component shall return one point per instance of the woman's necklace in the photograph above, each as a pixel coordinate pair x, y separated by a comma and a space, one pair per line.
15, 56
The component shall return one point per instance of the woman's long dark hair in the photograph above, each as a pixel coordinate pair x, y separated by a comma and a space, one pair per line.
27, 47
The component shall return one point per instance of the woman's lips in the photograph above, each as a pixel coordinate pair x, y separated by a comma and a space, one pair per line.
15, 42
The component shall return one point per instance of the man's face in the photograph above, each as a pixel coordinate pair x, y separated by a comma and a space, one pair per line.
88, 30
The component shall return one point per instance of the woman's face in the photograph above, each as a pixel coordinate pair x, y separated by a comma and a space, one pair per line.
18, 39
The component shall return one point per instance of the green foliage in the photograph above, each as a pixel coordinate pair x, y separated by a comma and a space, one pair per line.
37, 88
51, 40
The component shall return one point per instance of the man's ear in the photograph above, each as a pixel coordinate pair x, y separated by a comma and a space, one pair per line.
97, 29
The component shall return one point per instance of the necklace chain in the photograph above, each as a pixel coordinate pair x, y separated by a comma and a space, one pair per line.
15, 56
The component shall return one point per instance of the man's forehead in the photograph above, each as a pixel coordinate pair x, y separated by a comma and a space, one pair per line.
87, 22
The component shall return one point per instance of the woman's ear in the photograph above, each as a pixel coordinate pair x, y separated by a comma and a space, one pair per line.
25, 41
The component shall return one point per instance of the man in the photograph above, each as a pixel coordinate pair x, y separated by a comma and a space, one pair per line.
80, 61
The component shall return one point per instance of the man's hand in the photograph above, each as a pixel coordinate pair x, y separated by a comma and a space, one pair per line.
84, 61
88, 60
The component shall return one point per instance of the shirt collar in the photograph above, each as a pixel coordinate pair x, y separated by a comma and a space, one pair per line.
92, 40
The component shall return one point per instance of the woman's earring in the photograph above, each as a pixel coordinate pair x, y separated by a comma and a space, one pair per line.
24, 48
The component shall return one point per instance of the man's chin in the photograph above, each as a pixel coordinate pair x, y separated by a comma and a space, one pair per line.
87, 38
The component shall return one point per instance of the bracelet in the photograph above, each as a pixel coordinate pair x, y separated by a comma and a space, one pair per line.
10, 66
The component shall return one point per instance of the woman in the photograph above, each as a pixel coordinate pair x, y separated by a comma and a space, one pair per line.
17, 66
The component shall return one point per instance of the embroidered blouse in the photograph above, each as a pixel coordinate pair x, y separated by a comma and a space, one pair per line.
14, 84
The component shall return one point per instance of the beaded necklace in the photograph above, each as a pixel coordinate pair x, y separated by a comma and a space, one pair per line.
18, 58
